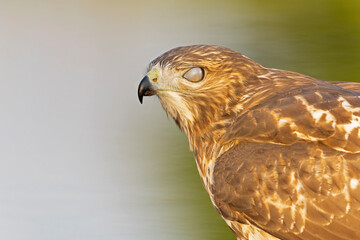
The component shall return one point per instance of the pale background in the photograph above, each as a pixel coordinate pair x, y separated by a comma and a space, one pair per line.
80, 158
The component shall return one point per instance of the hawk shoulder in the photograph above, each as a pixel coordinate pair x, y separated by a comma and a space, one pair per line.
325, 113
294, 171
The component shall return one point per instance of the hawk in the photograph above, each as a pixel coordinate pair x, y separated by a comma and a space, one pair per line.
278, 152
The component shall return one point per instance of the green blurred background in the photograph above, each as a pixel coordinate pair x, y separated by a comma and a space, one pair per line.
81, 158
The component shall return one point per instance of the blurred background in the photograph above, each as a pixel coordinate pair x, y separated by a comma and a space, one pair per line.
80, 158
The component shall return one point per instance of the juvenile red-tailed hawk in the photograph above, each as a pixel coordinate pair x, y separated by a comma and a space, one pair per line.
278, 151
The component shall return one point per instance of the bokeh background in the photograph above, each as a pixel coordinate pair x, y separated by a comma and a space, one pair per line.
80, 158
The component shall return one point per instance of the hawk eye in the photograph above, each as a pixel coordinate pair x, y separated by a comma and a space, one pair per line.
195, 74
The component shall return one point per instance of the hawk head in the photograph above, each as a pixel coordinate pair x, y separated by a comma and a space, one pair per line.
200, 85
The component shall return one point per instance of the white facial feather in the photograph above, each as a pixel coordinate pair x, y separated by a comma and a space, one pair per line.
175, 105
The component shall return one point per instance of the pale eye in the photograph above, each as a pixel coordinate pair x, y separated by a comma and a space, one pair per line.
194, 75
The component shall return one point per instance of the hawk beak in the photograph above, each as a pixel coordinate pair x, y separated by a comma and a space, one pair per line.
146, 88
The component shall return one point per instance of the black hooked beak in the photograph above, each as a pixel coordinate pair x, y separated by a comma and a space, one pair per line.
145, 88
